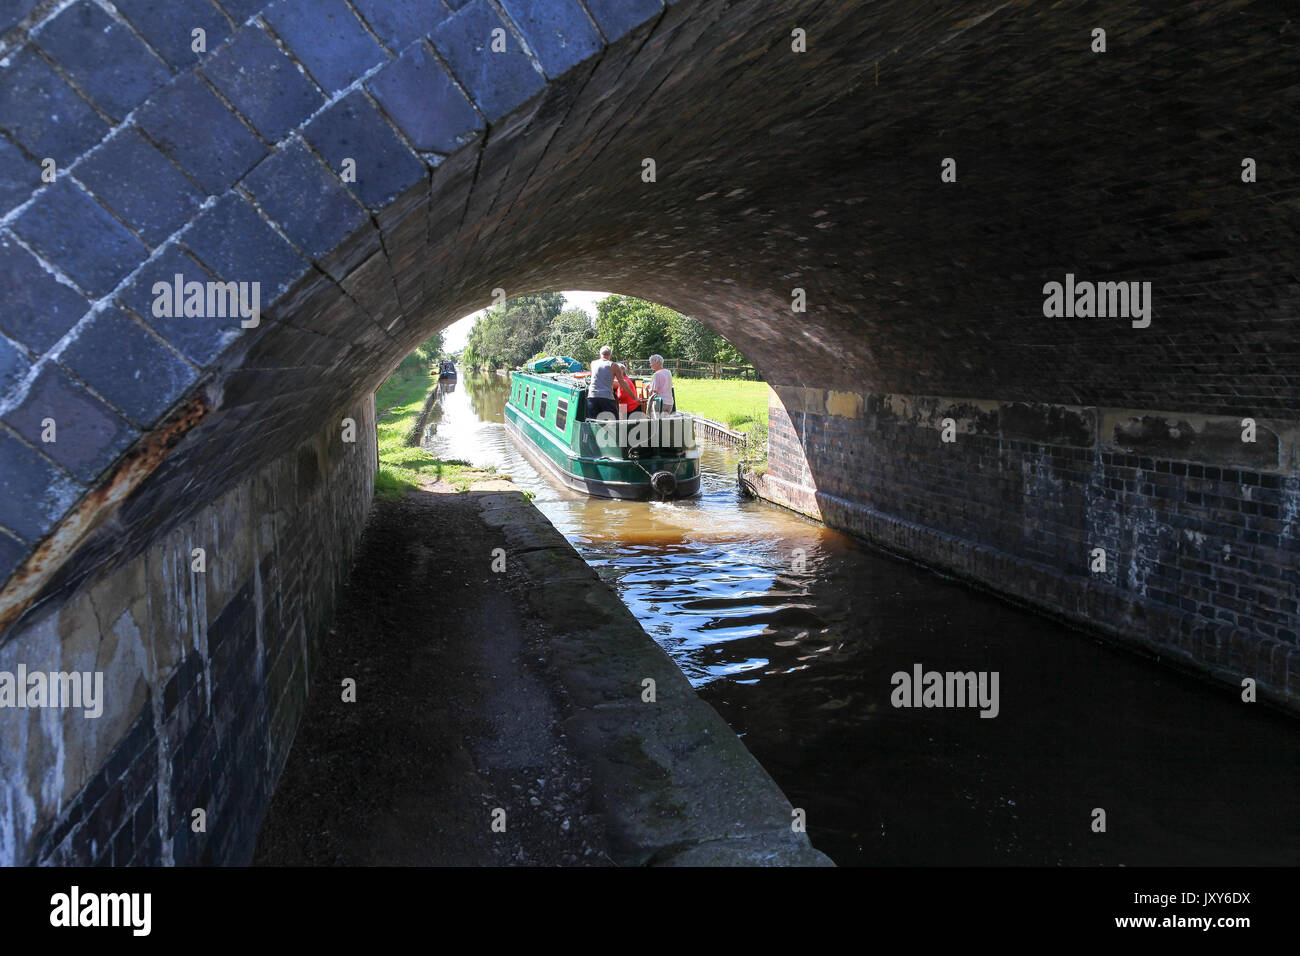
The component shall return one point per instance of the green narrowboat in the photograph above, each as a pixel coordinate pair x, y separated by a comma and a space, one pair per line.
630, 457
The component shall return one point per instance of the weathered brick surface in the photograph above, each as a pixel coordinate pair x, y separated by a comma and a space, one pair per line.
353, 129
89, 434
168, 25
109, 355
560, 32
146, 190
231, 239
42, 112
498, 81
200, 342
34, 493
306, 200
13, 365
187, 119
38, 308
618, 17
326, 38
425, 102
215, 724
22, 175
76, 234
263, 83
1199, 557
398, 22
107, 61
12, 551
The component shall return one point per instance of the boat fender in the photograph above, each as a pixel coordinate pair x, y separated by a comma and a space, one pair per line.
664, 484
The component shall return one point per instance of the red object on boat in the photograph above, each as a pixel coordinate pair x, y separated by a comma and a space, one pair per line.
623, 398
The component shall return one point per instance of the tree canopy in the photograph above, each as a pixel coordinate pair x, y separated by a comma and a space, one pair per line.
572, 334
525, 327
508, 334
637, 329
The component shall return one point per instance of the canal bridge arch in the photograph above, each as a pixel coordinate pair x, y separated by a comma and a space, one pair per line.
911, 175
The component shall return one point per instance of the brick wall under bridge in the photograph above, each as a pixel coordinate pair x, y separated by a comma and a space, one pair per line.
1197, 525
381, 167
206, 673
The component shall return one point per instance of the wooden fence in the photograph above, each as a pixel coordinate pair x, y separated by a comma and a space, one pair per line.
684, 368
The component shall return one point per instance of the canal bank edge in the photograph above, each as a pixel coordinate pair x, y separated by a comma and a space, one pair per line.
675, 784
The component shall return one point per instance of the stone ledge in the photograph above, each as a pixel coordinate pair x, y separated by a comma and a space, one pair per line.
676, 785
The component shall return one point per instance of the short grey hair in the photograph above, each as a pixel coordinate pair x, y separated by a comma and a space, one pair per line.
657, 358
606, 350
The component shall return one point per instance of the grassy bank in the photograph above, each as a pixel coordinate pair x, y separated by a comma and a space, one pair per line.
398, 403
740, 405
737, 404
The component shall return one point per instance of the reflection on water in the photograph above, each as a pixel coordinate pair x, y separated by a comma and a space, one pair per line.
792, 633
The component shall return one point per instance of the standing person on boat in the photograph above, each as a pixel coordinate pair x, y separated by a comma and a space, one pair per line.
600, 390
661, 386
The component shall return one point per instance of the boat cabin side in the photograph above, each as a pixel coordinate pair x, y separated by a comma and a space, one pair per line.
550, 401
557, 402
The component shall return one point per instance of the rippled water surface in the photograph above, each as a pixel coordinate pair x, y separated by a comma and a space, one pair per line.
792, 632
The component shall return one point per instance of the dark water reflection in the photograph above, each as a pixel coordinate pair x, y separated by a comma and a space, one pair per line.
797, 656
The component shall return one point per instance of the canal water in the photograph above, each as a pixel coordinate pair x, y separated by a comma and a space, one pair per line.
792, 633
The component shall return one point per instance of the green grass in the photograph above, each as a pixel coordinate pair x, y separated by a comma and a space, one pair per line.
738, 404
401, 466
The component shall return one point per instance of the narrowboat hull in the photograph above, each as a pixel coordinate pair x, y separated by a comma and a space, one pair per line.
657, 458
595, 485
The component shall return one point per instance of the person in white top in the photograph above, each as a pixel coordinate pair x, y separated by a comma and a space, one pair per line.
661, 385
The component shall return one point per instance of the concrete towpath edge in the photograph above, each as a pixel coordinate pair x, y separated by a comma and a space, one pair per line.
675, 784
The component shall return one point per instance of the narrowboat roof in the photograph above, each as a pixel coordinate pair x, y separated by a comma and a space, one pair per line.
559, 378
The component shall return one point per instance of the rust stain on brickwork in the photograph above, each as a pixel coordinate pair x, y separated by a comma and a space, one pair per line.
98, 505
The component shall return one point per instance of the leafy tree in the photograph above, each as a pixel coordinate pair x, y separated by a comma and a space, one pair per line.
506, 335
692, 341
638, 329
430, 350
633, 328
422, 357
572, 334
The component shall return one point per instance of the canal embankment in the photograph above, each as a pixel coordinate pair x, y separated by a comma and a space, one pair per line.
405, 404
508, 709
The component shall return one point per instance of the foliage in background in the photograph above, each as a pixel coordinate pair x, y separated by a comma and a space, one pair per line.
508, 334
637, 329
422, 357
572, 334
532, 326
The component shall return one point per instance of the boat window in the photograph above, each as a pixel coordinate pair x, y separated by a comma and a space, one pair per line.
528, 396
541, 412
561, 413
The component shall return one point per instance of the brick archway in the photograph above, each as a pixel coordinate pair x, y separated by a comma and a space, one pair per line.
775, 170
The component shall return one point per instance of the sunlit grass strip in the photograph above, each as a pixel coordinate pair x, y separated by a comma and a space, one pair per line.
403, 466
740, 405
735, 403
